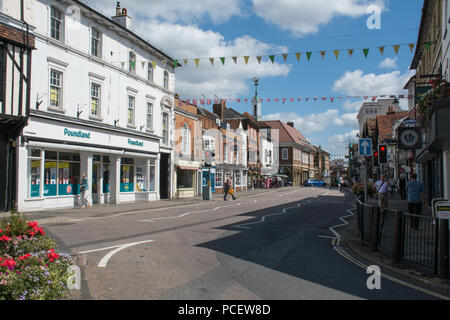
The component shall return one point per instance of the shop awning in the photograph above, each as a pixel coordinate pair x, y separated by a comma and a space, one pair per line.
188, 168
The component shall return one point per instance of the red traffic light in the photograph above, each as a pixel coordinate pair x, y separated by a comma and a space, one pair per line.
376, 154
382, 148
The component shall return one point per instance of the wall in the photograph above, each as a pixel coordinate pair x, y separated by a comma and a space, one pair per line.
12, 8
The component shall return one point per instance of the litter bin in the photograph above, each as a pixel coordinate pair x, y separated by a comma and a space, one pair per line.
207, 193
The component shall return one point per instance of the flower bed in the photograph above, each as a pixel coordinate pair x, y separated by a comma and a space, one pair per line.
30, 267
358, 189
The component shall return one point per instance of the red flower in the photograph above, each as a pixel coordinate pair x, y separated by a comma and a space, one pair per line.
5, 238
9, 263
24, 257
52, 255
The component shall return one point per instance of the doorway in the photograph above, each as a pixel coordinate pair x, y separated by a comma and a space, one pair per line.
95, 182
164, 176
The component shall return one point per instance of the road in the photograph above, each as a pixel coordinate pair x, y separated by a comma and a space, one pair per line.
276, 245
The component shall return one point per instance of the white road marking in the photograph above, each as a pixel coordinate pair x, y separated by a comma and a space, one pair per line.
342, 224
104, 261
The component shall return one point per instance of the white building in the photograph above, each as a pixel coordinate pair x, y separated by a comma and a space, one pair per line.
370, 110
446, 39
104, 107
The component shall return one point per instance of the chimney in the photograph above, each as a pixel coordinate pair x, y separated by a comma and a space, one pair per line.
122, 17
391, 110
291, 124
219, 109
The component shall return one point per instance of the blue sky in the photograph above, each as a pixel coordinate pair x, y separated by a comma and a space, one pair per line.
211, 28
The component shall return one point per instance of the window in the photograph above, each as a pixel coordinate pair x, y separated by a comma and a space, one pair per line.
96, 43
238, 178
141, 175
95, 99
186, 147
127, 175
152, 178
219, 178
55, 89
184, 179
165, 128
149, 116
131, 105
34, 167
132, 62
150, 71
285, 154
56, 24
166, 80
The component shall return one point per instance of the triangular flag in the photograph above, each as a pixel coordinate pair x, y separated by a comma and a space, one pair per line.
292, 99
188, 101
396, 48
350, 52
285, 55
208, 101
411, 47
259, 59
284, 100
427, 45
133, 64
336, 54
223, 60
268, 99
322, 53
366, 97
381, 50
323, 99
246, 59
307, 99
212, 61
143, 64
272, 58
154, 63
196, 62
234, 59
276, 99
299, 99
298, 54
245, 100
238, 100
366, 52
175, 63
123, 64
374, 98
308, 55
185, 62
332, 99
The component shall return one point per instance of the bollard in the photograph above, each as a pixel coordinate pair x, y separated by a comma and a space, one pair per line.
375, 228
398, 237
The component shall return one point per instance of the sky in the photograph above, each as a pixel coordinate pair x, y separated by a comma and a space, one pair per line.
211, 29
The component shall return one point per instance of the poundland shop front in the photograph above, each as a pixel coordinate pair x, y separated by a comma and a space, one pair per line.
120, 164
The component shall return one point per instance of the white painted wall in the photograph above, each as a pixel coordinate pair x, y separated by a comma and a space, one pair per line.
12, 8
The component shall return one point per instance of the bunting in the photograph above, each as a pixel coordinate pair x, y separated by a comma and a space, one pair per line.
259, 59
350, 53
396, 48
322, 53
223, 60
298, 54
366, 52
234, 59
336, 54
411, 47
285, 55
308, 55
246, 58
381, 50
272, 58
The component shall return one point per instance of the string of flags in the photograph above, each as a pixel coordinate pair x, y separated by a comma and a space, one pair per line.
308, 54
291, 99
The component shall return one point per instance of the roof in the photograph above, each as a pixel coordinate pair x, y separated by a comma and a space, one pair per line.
385, 123
287, 134
230, 113
81, 4
425, 21
208, 114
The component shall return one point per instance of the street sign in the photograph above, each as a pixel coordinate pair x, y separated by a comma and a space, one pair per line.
443, 210
365, 147
409, 138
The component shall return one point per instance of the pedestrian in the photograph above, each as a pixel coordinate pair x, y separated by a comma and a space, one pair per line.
382, 192
83, 190
341, 183
416, 195
228, 189
402, 187
393, 186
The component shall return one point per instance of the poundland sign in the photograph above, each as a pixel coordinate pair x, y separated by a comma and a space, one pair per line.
77, 134
136, 143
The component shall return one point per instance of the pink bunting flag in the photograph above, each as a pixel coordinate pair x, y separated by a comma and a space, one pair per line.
332, 99
268, 99
245, 100
292, 99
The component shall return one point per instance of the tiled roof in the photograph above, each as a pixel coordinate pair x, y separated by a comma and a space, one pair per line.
287, 134
230, 113
386, 122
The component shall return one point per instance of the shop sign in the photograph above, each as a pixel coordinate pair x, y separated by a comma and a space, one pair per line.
49, 165
64, 165
36, 164
77, 134
136, 143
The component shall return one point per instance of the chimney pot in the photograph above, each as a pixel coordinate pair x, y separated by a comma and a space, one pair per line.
291, 124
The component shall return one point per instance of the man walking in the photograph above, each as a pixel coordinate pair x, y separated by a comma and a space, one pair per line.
227, 189
83, 189
382, 192
416, 195
341, 183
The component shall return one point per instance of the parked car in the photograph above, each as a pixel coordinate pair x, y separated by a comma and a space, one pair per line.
314, 183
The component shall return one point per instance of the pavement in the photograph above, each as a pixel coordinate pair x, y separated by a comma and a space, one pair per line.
352, 240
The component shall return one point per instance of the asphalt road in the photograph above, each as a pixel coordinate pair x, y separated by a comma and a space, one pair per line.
271, 246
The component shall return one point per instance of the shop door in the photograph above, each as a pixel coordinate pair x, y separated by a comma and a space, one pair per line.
95, 183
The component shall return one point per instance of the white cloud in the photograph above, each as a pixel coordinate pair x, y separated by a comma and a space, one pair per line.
352, 105
173, 10
357, 83
346, 120
305, 16
388, 63
338, 142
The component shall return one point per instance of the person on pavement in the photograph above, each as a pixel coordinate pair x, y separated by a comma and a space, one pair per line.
341, 183
416, 195
227, 188
382, 187
83, 190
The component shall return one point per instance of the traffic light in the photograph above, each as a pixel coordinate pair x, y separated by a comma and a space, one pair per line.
375, 159
383, 153
208, 158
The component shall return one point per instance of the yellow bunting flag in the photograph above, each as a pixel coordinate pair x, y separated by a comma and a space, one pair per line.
234, 59
154, 64
396, 48
285, 55
123, 64
246, 59
298, 54
381, 50
212, 61
336, 54
350, 52
322, 53
196, 62
143, 64
185, 62
411, 47
259, 59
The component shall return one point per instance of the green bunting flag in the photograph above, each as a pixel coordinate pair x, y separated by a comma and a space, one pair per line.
308, 55
366, 52
223, 60
272, 58
175, 63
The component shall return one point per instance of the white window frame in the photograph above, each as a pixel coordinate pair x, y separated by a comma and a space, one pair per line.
166, 80
166, 143
284, 154
100, 42
186, 140
60, 105
150, 72
61, 21
131, 97
99, 97
150, 106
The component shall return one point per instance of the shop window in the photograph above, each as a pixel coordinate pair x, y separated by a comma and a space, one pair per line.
184, 179
219, 178
141, 176
238, 178
61, 174
152, 178
127, 175
34, 165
